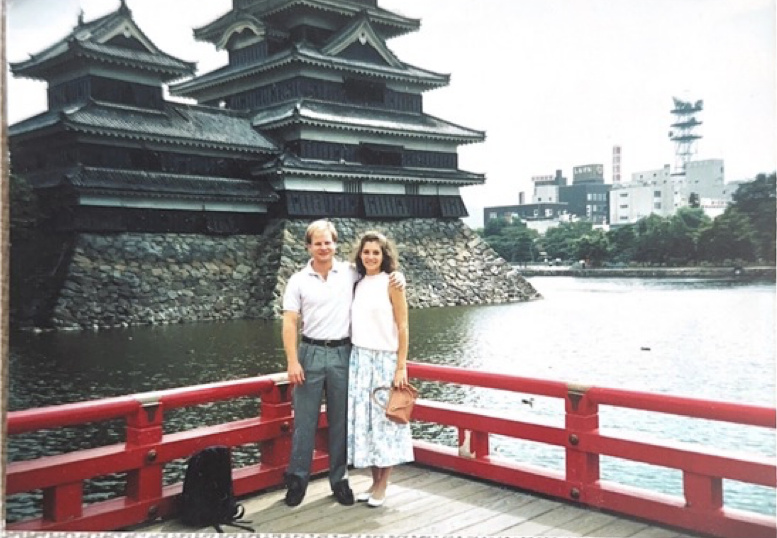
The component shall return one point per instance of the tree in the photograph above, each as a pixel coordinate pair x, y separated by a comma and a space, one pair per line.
652, 241
622, 241
559, 242
682, 234
757, 200
692, 218
729, 237
593, 247
513, 241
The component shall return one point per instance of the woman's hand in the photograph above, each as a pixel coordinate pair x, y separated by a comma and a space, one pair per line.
400, 377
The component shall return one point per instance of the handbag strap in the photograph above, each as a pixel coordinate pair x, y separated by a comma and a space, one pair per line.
408, 388
375, 398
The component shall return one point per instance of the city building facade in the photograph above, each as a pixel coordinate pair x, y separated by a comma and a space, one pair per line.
661, 192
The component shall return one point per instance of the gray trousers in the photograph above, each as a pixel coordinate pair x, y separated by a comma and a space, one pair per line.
326, 371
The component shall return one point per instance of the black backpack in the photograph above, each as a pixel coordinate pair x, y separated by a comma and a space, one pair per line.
208, 498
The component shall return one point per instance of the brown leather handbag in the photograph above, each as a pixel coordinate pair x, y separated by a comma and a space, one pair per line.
400, 402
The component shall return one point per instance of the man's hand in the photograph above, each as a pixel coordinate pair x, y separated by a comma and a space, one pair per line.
397, 280
289, 333
296, 373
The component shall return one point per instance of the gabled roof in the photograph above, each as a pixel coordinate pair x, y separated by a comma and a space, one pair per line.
176, 123
288, 164
105, 40
115, 182
362, 119
307, 55
221, 30
390, 24
360, 31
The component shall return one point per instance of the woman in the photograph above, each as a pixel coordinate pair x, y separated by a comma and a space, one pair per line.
379, 334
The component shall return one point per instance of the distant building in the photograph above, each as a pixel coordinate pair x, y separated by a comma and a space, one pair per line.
616, 164
554, 201
538, 217
648, 192
662, 193
588, 196
525, 212
546, 187
588, 173
705, 178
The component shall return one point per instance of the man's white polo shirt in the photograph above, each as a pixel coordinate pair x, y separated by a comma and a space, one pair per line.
323, 305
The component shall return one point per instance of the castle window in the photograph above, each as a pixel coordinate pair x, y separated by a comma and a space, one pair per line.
352, 186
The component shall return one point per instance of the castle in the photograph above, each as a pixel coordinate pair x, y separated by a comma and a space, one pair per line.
159, 211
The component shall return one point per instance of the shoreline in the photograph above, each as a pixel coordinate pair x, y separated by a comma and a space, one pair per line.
738, 272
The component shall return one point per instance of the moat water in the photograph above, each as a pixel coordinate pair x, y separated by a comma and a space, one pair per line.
711, 339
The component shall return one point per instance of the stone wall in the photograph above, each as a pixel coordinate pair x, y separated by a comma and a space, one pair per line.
134, 278
444, 261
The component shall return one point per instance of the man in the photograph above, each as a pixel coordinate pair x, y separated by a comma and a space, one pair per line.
320, 297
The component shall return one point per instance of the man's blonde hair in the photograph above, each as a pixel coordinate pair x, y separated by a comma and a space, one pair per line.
320, 226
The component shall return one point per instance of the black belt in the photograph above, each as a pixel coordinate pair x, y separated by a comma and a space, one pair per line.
326, 343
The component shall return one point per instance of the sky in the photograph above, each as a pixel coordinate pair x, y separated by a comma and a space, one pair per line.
553, 83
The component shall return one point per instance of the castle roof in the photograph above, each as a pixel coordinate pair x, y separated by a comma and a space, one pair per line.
176, 123
136, 183
389, 24
113, 39
307, 55
363, 119
289, 164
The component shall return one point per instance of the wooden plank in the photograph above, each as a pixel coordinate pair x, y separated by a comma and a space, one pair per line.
422, 501
496, 525
587, 522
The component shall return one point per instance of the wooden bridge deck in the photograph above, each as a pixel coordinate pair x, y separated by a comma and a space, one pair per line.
421, 501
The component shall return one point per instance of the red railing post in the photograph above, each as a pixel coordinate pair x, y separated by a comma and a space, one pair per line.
703, 493
144, 430
277, 403
582, 416
473, 444
63, 502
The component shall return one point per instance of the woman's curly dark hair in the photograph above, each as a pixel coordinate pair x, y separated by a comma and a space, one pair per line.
390, 260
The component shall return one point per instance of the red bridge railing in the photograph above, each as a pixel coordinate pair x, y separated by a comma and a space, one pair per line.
701, 509
147, 450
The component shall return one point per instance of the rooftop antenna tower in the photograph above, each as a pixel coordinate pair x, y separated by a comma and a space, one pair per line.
682, 133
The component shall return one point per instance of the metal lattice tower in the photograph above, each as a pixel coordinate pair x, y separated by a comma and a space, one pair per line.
682, 133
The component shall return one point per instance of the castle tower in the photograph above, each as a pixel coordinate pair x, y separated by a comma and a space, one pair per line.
318, 77
112, 155
164, 212
683, 133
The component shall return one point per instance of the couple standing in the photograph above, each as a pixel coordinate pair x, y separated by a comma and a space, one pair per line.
354, 339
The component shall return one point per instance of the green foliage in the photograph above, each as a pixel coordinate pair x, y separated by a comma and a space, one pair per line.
729, 237
652, 240
513, 241
593, 247
622, 241
561, 241
757, 201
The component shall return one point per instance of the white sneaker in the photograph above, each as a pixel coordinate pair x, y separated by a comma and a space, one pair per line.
363, 497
